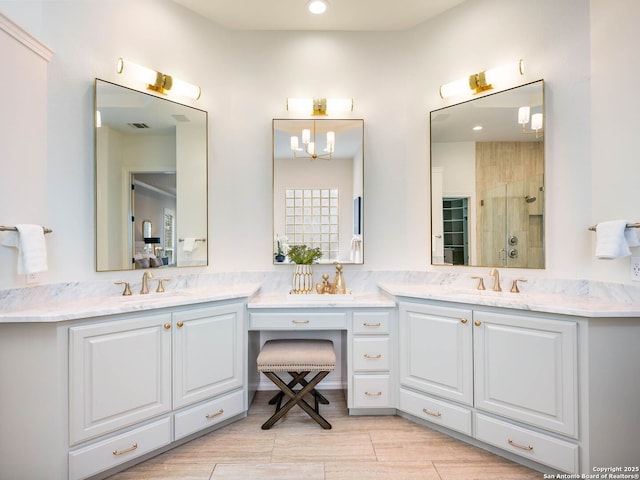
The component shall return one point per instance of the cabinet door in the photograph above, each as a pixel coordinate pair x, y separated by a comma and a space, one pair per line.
119, 374
207, 352
436, 351
526, 369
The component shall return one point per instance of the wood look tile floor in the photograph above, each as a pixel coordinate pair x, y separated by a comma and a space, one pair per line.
357, 447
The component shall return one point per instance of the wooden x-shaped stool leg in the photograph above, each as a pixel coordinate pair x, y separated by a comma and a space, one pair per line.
299, 378
296, 398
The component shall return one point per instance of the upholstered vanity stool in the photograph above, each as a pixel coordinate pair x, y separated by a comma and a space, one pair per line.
298, 358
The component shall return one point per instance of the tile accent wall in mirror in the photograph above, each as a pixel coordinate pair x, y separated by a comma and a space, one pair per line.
487, 181
318, 172
151, 181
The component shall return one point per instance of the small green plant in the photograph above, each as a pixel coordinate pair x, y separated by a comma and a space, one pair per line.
302, 255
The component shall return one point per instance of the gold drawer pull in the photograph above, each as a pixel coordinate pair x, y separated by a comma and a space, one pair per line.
214, 415
374, 357
167, 326
299, 321
180, 324
367, 324
477, 323
429, 412
126, 450
464, 321
528, 448
373, 394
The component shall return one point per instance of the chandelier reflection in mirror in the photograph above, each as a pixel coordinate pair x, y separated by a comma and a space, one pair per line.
310, 145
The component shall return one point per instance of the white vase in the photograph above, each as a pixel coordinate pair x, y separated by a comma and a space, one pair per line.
302, 279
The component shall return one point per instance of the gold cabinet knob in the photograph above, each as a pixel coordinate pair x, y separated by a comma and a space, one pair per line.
477, 323
180, 324
464, 321
167, 326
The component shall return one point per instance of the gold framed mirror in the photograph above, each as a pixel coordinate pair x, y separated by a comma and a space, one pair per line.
151, 164
487, 180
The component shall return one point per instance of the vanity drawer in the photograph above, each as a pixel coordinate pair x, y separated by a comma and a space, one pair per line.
207, 414
443, 413
526, 443
371, 323
371, 391
299, 320
370, 354
110, 453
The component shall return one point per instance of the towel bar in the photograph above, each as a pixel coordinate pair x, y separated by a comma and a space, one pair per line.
629, 225
4, 228
197, 239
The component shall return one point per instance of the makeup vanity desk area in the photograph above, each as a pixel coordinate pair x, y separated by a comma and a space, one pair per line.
363, 328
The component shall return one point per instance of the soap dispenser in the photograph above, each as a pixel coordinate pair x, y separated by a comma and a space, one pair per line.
340, 286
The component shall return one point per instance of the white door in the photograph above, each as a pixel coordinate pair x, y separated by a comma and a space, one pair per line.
435, 351
208, 352
526, 369
119, 374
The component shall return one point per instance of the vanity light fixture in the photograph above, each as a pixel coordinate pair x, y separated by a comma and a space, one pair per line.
486, 80
524, 115
310, 146
318, 7
320, 106
157, 81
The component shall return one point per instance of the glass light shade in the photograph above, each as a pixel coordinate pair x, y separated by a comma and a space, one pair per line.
339, 105
454, 88
294, 143
306, 136
523, 115
536, 121
505, 74
311, 148
137, 72
331, 141
300, 105
180, 87
98, 119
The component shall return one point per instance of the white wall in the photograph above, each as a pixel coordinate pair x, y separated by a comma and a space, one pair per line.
394, 79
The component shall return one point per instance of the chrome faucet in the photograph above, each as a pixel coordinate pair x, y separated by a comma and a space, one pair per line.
496, 279
145, 282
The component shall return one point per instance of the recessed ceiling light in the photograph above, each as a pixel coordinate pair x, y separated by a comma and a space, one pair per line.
317, 7
477, 128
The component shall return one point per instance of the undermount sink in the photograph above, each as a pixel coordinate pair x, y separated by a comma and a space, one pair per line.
137, 298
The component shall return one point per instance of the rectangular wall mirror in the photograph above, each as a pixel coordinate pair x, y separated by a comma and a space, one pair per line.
318, 180
151, 181
487, 180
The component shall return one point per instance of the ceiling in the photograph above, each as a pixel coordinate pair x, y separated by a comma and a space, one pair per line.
351, 15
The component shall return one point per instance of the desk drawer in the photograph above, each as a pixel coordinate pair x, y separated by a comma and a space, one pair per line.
202, 416
109, 453
526, 443
371, 323
298, 321
371, 391
371, 354
436, 411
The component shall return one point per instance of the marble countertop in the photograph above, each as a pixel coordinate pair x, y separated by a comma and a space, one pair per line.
115, 304
355, 300
580, 305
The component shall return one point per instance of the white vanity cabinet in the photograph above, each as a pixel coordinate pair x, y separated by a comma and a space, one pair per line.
138, 383
507, 379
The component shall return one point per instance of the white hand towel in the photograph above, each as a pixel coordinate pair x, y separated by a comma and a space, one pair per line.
355, 253
32, 250
631, 236
189, 244
611, 241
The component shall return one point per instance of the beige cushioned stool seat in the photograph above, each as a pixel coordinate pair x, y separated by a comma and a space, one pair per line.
298, 358
297, 355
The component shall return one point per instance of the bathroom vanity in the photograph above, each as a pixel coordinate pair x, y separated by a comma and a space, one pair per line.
95, 385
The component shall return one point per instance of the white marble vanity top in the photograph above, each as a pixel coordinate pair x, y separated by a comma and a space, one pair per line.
580, 305
115, 304
357, 300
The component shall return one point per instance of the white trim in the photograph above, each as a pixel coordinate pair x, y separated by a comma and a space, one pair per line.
25, 38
